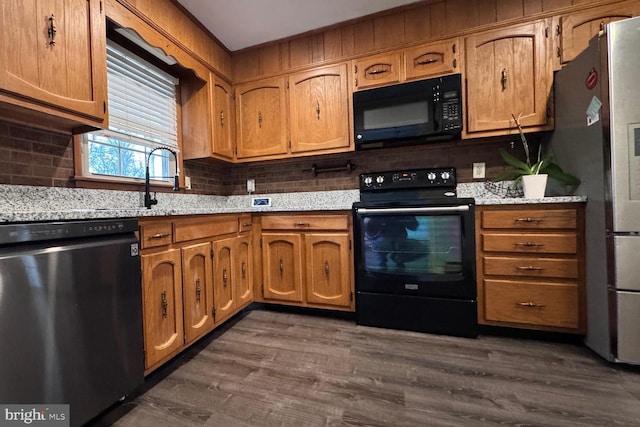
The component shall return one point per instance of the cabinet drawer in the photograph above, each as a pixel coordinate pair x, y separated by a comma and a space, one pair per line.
191, 229
305, 222
155, 234
245, 222
545, 304
557, 243
531, 267
530, 219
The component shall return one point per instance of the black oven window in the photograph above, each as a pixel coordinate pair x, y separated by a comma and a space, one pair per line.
397, 115
401, 244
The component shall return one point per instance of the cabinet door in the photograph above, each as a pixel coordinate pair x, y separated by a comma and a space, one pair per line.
243, 279
162, 304
578, 28
432, 59
327, 266
66, 71
197, 290
261, 119
282, 266
222, 120
223, 296
377, 70
319, 109
511, 74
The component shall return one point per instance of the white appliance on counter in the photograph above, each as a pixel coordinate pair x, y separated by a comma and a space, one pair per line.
597, 138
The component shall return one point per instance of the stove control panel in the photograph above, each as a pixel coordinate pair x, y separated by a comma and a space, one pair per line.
409, 179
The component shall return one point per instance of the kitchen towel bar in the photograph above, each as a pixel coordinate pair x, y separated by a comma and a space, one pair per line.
315, 169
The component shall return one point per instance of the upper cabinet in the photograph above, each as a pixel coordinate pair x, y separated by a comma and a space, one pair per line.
53, 59
222, 119
319, 110
510, 72
261, 119
419, 62
432, 59
576, 29
308, 113
377, 70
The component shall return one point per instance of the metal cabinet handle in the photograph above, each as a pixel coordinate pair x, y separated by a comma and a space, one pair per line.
260, 119
159, 235
244, 270
52, 31
164, 303
247, 224
318, 109
427, 61
529, 268
527, 219
326, 269
377, 71
198, 290
225, 277
301, 224
503, 79
529, 244
222, 118
530, 304
281, 268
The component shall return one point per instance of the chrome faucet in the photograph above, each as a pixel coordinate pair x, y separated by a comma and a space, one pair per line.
148, 199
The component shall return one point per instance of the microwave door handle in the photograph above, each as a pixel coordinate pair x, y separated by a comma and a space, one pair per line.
428, 209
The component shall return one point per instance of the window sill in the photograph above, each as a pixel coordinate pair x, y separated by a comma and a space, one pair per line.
121, 185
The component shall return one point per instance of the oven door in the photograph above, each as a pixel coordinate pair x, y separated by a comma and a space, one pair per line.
422, 249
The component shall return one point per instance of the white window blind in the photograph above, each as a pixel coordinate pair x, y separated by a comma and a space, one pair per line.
142, 98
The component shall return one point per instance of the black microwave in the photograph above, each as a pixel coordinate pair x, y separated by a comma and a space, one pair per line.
408, 113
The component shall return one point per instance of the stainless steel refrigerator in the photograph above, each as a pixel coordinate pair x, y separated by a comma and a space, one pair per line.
597, 138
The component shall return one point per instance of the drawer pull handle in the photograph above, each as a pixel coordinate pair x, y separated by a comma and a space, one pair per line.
531, 304
246, 224
529, 244
530, 268
528, 219
159, 235
301, 224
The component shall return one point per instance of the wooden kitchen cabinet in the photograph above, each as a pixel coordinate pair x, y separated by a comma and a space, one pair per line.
510, 73
162, 305
574, 30
197, 272
432, 59
222, 120
319, 110
53, 60
377, 70
261, 114
197, 288
530, 267
307, 260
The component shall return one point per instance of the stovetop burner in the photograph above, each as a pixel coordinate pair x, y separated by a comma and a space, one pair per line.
414, 184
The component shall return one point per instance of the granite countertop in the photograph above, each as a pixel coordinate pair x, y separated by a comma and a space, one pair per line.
20, 203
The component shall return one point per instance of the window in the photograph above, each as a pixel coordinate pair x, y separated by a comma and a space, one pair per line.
142, 116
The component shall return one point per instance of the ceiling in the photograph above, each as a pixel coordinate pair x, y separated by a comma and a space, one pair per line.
243, 23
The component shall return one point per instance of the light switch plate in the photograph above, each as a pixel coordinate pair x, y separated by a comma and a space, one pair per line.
261, 202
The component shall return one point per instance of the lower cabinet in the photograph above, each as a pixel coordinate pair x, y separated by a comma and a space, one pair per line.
307, 260
196, 273
530, 267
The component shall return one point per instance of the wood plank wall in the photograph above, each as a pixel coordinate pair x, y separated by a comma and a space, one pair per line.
410, 25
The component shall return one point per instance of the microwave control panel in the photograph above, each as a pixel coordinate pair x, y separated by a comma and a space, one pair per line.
451, 104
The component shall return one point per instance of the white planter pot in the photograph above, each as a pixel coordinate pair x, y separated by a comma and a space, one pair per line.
534, 185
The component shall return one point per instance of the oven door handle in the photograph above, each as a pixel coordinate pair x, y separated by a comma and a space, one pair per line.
427, 209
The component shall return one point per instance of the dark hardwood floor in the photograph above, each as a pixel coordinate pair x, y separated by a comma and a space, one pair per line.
279, 369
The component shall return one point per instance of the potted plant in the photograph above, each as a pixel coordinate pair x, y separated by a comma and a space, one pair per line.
533, 175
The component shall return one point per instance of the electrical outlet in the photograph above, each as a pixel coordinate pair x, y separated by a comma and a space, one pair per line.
251, 185
478, 170
187, 182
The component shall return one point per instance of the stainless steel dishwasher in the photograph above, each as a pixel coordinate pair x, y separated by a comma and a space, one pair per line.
70, 314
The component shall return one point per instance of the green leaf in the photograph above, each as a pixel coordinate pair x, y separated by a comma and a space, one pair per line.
554, 171
512, 161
